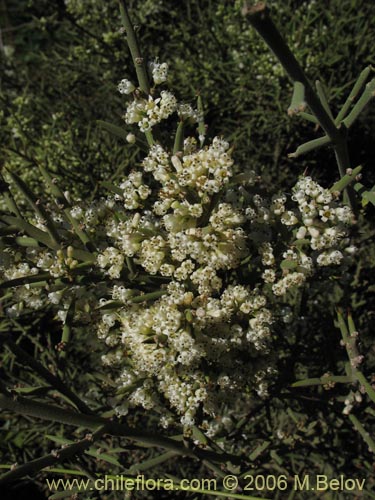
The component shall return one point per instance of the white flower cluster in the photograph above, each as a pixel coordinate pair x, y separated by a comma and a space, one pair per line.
205, 171
148, 112
202, 320
167, 343
319, 225
19, 271
190, 266
134, 191
112, 258
159, 72
186, 111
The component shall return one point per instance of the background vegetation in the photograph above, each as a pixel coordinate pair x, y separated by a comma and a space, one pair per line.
60, 63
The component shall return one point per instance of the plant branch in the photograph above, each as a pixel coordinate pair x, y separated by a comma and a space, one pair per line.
259, 17
135, 52
56, 382
25, 406
336, 379
362, 431
62, 454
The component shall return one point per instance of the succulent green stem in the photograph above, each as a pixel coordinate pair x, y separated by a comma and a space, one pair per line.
362, 102
349, 337
366, 385
36, 206
310, 145
67, 330
346, 180
24, 358
353, 94
135, 52
179, 138
201, 125
323, 98
24, 406
62, 454
336, 379
298, 103
259, 17
365, 435
11, 204
148, 296
343, 163
149, 138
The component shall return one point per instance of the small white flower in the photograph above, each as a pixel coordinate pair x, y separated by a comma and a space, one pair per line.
301, 233
125, 86
159, 72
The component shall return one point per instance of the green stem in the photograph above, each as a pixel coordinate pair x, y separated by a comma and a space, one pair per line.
298, 103
36, 206
66, 332
201, 125
310, 145
179, 138
25, 406
366, 385
347, 337
130, 265
26, 359
346, 180
323, 98
82, 235
24, 280
308, 117
350, 341
11, 204
147, 296
337, 379
353, 94
149, 138
135, 52
365, 435
38, 464
343, 163
260, 19
367, 95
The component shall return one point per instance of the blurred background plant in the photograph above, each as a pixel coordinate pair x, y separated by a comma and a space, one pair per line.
60, 64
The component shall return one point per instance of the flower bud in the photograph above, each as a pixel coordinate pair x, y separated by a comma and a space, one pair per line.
130, 138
